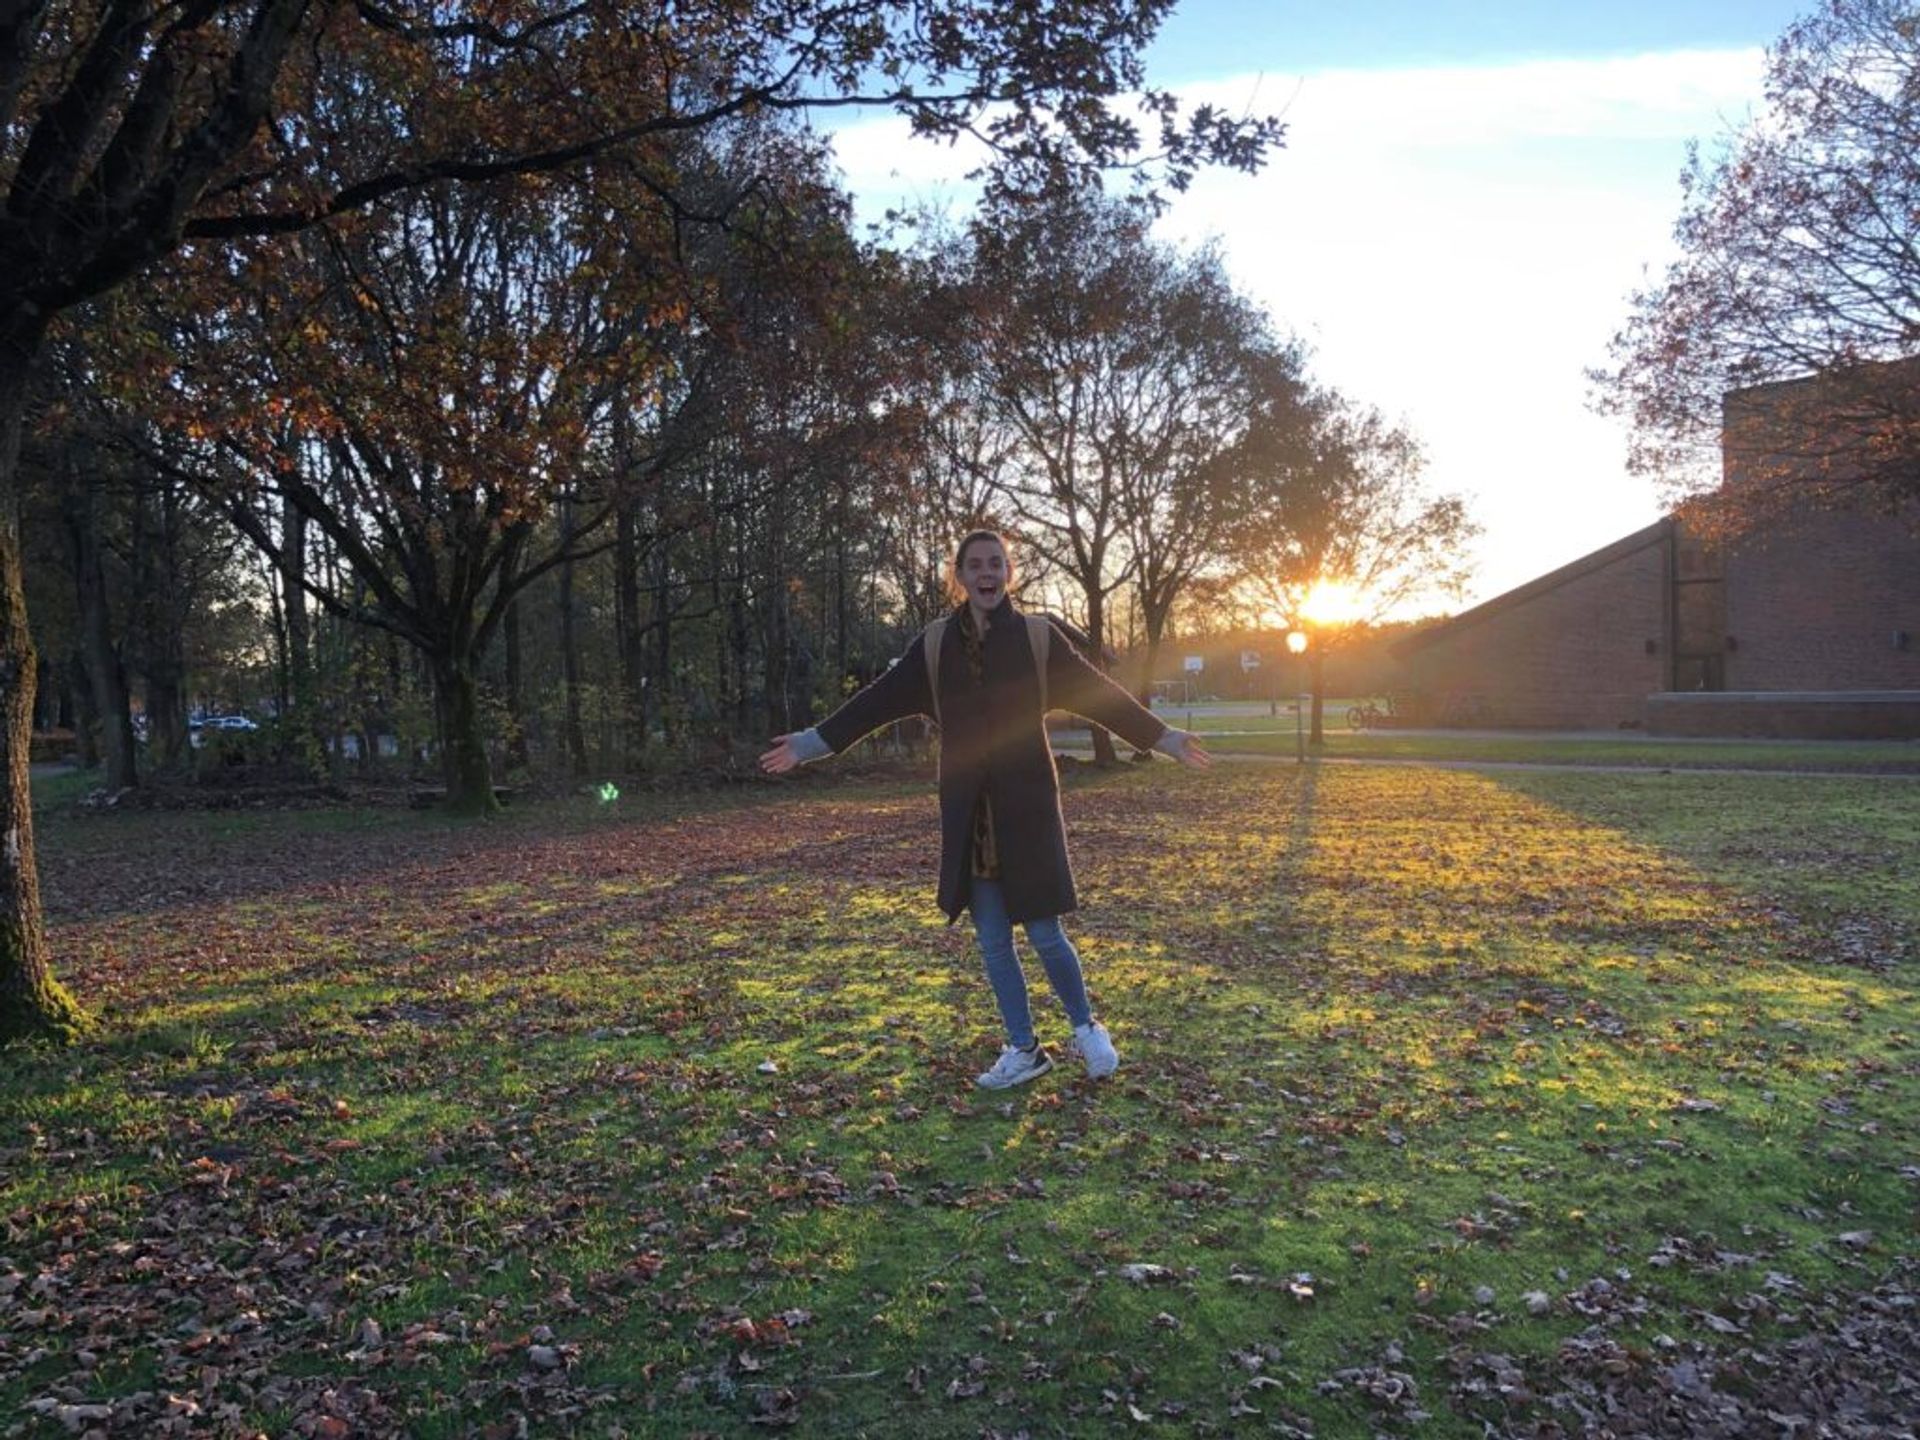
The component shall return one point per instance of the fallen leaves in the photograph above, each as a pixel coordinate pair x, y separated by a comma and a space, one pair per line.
418, 1157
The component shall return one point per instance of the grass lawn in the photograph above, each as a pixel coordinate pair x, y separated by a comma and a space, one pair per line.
1649, 752
58, 789
1451, 1102
1245, 727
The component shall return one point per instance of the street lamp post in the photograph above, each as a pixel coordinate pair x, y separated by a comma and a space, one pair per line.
1297, 644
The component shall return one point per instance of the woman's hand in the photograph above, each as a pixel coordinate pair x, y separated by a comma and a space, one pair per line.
1184, 746
780, 759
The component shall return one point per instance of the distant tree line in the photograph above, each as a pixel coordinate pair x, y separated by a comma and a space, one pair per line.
496, 474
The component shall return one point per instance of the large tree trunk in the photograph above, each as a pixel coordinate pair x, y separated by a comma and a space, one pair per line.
302, 716
628, 634
166, 712
739, 720
737, 711
778, 637
842, 612
277, 623
163, 647
1149, 666
516, 705
405, 741
1155, 621
1149, 663
86, 733
628, 638
33, 1005
52, 704
725, 603
44, 694
661, 692
463, 742
104, 670
799, 682
576, 735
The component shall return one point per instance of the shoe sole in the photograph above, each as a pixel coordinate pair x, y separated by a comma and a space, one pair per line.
1034, 1074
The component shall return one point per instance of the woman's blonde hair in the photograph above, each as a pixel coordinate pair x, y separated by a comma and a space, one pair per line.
956, 587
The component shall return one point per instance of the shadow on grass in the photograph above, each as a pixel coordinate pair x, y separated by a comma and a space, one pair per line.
1833, 866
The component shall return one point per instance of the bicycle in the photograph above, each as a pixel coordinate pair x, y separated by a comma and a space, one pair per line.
1365, 715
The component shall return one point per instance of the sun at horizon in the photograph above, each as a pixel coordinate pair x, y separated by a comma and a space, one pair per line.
1331, 602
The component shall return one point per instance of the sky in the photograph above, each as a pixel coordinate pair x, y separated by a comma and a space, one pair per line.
1468, 196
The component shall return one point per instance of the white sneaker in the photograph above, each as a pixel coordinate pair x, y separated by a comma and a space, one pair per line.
1095, 1046
1015, 1067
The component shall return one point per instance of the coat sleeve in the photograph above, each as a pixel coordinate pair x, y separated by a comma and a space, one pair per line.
899, 693
1073, 684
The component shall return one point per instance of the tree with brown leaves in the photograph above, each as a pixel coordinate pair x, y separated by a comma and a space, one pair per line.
1800, 261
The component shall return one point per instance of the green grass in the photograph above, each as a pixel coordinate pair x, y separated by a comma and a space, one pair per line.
1651, 752
1392, 1035
1245, 728
54, 789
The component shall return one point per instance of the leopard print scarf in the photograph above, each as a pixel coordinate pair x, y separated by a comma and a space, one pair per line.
986, 853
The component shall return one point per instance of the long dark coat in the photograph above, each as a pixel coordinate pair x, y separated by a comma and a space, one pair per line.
992, 739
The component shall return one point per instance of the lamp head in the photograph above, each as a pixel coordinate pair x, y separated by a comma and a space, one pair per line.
1297, 641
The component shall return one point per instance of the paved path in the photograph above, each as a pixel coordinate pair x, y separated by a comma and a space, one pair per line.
1904, 749
1241, 758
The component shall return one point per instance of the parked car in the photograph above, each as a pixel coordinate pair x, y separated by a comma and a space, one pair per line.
198, 729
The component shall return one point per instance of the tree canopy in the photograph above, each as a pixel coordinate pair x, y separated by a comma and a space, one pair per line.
1799, 261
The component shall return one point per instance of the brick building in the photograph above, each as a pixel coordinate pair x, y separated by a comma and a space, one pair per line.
1805, 623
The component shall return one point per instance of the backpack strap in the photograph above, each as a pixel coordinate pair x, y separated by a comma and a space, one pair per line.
1040, 642
931, 638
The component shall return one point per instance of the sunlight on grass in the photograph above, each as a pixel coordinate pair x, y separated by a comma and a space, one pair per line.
702, 1110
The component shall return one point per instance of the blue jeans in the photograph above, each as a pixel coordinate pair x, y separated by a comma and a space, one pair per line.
995, 932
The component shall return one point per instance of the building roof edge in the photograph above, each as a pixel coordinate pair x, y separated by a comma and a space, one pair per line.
1653, 534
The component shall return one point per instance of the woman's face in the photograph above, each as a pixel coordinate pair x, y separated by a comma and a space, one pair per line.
985, 573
